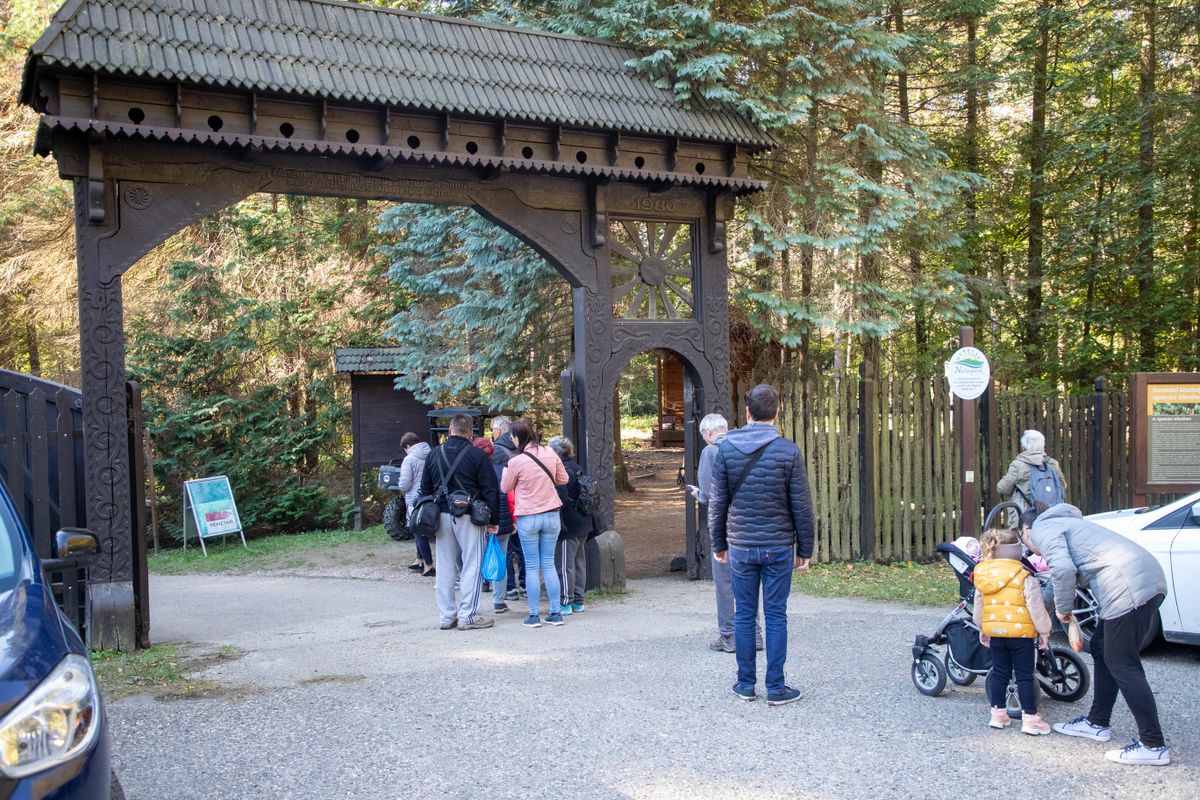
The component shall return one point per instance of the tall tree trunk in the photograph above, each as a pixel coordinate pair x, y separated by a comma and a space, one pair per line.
1035, 266
33, 349
808, 217
620, 469
915, 269
1145, 226
975, 262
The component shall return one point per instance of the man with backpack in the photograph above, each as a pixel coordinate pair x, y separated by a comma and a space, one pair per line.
1033, 476
460, 477
761, 523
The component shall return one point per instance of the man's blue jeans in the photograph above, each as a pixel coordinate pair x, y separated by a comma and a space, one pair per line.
768, 569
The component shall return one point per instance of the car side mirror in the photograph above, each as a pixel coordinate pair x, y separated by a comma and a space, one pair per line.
1196, 511
71, 542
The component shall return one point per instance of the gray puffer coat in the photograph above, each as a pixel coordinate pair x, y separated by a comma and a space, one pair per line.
411, 470
1122, 574
773, 507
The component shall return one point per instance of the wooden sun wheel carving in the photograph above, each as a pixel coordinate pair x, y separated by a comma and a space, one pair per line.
651, 269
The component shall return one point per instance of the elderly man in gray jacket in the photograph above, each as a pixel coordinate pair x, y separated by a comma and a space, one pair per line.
713, 428
1129, 586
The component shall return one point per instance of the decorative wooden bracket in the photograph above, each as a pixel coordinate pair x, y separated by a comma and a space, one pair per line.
253, 113
673, 155
387, 125
556, 144
446, 132
715, 216
502, 136
731, 160
178, 105
95, 183
597, 212
614, 148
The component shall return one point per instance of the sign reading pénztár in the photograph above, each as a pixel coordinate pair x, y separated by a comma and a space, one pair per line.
968, 373
209, 510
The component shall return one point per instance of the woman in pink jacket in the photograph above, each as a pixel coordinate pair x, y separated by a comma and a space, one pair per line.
531, 476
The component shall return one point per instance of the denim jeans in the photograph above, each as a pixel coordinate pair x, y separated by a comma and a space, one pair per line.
768, 569
539, 535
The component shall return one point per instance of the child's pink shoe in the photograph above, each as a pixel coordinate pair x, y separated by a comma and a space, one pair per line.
1000, 718
1034, 725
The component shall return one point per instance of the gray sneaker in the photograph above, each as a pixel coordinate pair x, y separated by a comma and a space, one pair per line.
477, 624
1138, 753
722, 644
1080, 726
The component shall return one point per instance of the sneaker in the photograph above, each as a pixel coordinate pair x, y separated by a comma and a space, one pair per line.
477, 624
745, 692
577, 607
511, 594
429, 573
1000, 718
554, 619
416, 566
723, 644
759, 645
532, 621
1137, 753
566, 610
500, 609
783, 697
1080, 726
1033, 724
446, 626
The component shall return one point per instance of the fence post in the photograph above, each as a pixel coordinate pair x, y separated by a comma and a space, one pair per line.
866, 461
964, 422
1099, 402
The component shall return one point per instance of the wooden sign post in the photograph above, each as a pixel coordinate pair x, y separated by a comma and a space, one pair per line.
968, 374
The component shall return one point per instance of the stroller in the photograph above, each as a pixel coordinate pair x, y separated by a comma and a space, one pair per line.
954, 651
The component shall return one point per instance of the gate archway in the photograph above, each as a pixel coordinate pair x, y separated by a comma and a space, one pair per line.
161, 116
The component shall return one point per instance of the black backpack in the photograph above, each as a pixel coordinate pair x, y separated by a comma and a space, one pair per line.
588, 502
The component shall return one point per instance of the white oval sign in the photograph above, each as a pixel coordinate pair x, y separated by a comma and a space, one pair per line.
968, 373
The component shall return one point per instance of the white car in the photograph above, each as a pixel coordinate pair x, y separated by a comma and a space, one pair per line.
1172, 533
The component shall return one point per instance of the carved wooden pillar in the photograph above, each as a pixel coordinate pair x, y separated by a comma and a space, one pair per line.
106, 447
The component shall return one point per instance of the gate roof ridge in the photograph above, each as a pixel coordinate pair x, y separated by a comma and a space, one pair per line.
353, 53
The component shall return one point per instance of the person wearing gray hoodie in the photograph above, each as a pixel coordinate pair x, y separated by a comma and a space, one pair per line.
411, 469
1129, 586
760, 520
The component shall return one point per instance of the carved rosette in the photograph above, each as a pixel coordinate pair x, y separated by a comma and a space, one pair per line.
651, 268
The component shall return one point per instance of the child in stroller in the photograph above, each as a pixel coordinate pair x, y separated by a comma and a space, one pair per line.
953, 649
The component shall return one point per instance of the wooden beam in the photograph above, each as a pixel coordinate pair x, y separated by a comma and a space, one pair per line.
387, 125
597, 213
502, 136
446, 132
556, 142
716, 223
253, 113
95, 183
673, 154
324, 117
614, 148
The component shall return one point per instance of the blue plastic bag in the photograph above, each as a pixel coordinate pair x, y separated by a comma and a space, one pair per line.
494, 568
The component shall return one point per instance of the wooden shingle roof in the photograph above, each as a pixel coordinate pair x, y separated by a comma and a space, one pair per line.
367, 359
357, 53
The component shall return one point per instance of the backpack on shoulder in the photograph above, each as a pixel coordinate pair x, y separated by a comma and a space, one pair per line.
588, 502
426, 512
1044, 485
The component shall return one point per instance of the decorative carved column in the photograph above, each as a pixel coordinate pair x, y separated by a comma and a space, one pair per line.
106, 446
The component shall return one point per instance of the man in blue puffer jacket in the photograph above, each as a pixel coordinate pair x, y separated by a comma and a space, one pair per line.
761, 522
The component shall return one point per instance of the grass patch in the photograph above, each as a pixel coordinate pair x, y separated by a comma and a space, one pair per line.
160, 670
905, 582
269, 552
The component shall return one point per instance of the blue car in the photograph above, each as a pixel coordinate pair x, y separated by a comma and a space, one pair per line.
53, 731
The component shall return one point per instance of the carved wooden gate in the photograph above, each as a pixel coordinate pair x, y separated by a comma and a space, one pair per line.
628, 202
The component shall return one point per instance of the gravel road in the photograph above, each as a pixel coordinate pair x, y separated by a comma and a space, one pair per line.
347, 690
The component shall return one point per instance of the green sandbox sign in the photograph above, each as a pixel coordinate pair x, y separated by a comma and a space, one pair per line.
209, 511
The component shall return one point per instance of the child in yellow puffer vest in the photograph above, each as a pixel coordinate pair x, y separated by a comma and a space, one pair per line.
1013, 622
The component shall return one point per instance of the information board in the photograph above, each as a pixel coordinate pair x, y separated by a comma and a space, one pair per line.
1166, 432
968, 373
209, 510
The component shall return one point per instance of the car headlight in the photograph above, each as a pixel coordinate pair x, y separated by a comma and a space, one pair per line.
57, 721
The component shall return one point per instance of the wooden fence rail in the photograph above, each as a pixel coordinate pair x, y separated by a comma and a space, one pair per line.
909, 491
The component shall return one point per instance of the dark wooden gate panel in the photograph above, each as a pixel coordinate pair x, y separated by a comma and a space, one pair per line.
41, 465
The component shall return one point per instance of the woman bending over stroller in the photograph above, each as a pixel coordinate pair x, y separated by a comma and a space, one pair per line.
1013, 622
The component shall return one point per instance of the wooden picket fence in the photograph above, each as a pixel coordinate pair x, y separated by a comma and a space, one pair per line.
891, 457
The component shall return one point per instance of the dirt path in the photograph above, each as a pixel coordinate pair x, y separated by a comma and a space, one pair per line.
651, 518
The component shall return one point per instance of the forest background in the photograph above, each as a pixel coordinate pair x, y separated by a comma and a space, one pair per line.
1028, 167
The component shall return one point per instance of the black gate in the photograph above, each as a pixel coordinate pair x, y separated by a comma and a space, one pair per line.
41, 464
